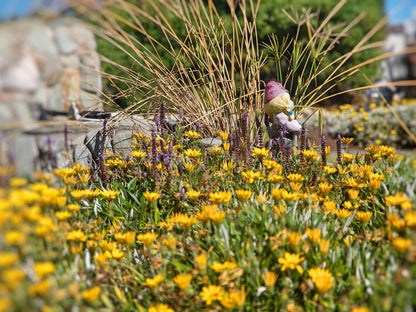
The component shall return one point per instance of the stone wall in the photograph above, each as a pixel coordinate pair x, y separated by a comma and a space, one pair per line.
46, 64
49, 64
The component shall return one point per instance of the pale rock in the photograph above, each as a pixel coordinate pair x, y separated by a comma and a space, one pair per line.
65, 39
90, 72
22, 76
25, 153
121, 142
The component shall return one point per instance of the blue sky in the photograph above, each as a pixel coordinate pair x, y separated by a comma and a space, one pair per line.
401, 10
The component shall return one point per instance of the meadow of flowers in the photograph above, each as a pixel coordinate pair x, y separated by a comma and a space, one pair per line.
377, 124
179, 227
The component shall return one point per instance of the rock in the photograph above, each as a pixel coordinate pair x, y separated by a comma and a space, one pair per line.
54, 96
70, 61
90, 72
121, 142
51, 70
134, 123
209, 142
93, 140
40, 38
70, 85
25, 154
6, 115
89, 101
81, 154
84, 36
22, 111
65, 39
21, 76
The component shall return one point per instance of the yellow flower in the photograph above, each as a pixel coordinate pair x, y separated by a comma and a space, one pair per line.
251, 175
78, 194
44, 268
360, 309
348, 240
183, 281
5, 303
147, 238
220, 267
220, 197
192, 153
350, 206
11, 278
314, 235
193, 195
351, 182
227, 165
201, 261
91, 294
409, 218
401, 244
192, 134
310, 155
161, 307
63, 215
76, 249
182, 220
138, 154
101, 258
41, 288
73, 207
84, 177
395, 200
211, 293
16, 182
153, 282
216, 150
8, 259
291, 261
343, 213
15, 238
295, 186
64, 172
243, 195
324, 246
346, 141
170, 243
322, 278
275, 178
280, 210
269, 278
329, 170
363, 216
325, 188
260, 152
353, 194
295, 177
189, 167
294, 239
226, 146
223, 135
217, 216
109, 194
151, 196
76, 236
272, 164
261, 199
114, 162
235, 297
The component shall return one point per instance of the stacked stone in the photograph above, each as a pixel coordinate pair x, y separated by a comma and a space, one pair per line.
47, 63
